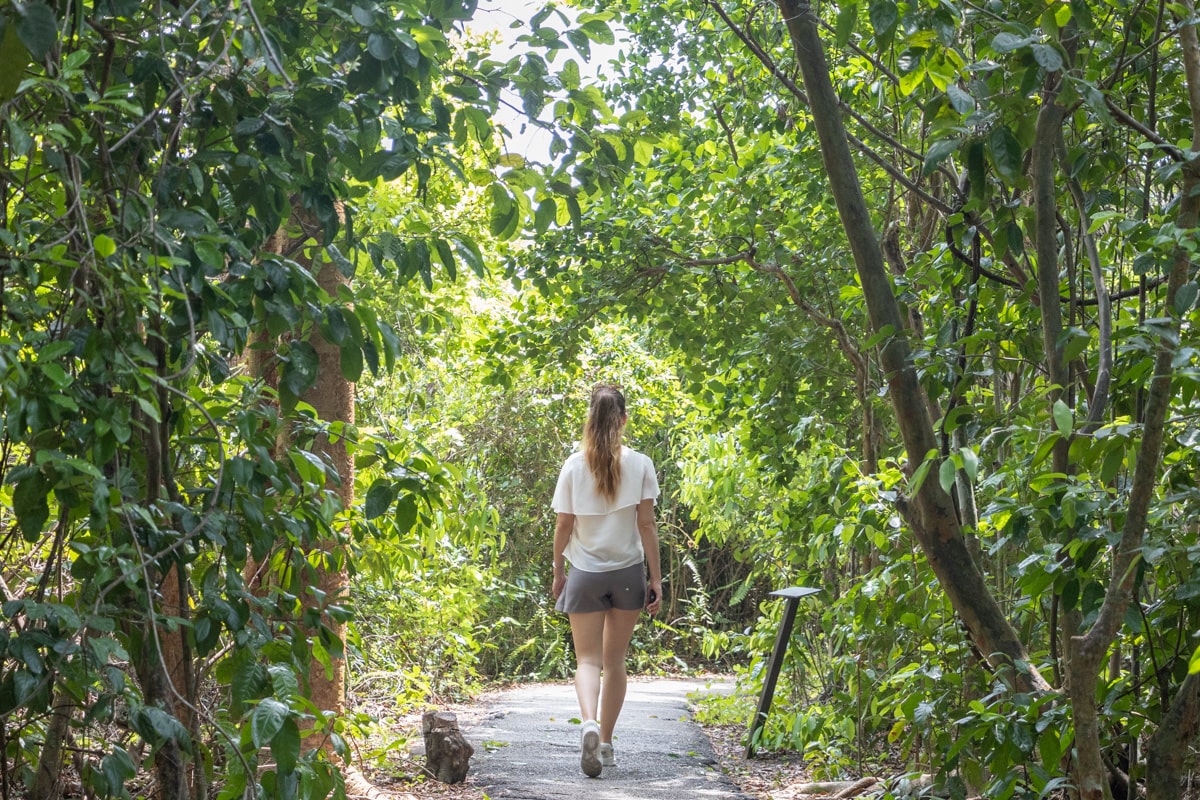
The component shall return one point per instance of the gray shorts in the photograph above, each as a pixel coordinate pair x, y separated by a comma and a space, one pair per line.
623, 588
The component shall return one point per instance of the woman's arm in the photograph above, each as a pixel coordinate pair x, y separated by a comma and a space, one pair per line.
648, 530
562, 534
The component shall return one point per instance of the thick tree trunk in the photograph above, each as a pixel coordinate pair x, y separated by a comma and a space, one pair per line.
332, 398
1166, 749
933, 518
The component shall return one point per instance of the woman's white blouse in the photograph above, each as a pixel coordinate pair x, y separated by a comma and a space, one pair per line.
605, 536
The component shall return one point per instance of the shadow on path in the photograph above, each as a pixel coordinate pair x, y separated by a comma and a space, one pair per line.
526, 746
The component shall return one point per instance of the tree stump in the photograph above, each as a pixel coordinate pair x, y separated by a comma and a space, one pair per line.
447, 753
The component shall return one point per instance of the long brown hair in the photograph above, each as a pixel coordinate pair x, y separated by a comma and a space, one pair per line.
602, 438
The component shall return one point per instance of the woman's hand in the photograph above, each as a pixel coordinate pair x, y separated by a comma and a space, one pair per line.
560, 581
654, 593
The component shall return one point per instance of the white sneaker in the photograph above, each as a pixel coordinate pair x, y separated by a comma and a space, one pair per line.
607, 758
589, 746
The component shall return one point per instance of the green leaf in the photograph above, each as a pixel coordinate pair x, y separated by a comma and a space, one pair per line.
55, 374
381, 47
157, 726
249, 680
117, 767
912, 80
336, 329
300, 368
570, 76
598, 31
1114, 459
419, 253
960, 100
970, 463
546, 212
13, 58
1006, 153
1049, 746
643, 151
1008, 42
846, 18
1094, 99
55, 350
31, 505
406, 513
1047, 57
580, 40
1070, 593
503, 209
363, 16
575, 211
343, 264
446, 256
1063, 418
285, 746
267, 720
1194, 662
469, 252
37, 28
379, 499
918, 477
1185, 298
884, 15
938, 152
977, 174
149, 409
946, 475
104, 245
350, 361
210, 254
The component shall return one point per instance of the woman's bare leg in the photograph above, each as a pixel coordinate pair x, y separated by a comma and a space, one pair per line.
618, 630
587, 630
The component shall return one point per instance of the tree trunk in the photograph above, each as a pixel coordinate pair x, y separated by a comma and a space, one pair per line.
447, 752
332, 398
47, 783
164, 659
170, 759
933, 518
1181, 723
1091, 649
1166, 749
1049, 127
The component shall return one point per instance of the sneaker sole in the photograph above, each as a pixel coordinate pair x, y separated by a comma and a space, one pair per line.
589, 759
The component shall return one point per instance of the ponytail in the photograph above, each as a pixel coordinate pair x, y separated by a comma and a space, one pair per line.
602, 438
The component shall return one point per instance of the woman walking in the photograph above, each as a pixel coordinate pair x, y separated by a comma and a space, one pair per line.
606, 529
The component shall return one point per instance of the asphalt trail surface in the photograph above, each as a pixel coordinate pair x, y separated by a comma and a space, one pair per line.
527, 746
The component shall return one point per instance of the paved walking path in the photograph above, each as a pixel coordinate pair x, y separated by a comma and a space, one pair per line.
527, 747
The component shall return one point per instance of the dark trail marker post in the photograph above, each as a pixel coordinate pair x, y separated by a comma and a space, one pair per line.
793, 595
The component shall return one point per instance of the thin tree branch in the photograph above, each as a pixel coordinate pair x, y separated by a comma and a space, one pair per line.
895, 172
1128, 120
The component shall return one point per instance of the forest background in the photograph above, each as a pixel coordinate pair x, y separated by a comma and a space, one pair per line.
902, 296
